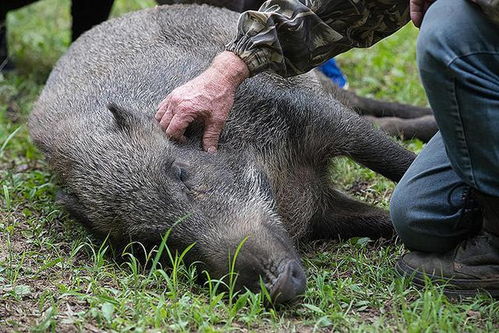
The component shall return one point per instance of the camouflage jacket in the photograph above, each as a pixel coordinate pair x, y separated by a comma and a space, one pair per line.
291, 37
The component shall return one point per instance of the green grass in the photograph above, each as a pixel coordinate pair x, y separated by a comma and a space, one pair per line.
54, 277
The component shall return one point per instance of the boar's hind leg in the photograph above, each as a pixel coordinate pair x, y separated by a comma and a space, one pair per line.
423, 128
345, 217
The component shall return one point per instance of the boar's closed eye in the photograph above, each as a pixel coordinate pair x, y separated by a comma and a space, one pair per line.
180, 171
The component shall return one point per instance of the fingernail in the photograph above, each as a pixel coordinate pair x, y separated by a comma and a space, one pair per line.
212, 150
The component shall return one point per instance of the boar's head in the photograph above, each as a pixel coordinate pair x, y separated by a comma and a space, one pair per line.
136, 184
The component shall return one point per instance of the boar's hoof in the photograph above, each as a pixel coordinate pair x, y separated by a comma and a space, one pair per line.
290, 283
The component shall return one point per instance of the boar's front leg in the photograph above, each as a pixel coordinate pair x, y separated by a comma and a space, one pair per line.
337, 131
375, 150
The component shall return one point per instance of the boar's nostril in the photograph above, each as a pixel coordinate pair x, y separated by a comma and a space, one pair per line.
290, 283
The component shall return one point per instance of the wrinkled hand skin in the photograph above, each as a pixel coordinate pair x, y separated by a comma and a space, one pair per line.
418, 9
207, 98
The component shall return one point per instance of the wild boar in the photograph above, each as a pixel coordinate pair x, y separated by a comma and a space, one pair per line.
268, 183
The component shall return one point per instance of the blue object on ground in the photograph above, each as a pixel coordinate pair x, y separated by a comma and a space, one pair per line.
332, 71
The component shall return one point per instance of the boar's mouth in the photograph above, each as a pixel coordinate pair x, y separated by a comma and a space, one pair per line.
284, 282
290, 283
263, 254
266, 256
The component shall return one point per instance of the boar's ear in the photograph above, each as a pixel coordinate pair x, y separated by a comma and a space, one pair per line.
125, 120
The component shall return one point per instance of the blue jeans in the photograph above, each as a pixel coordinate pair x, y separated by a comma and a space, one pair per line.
458, 58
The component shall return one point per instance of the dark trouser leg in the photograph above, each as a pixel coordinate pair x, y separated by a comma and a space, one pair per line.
436, 216
458, 57
5, 7
431, 207
87, 13
4, 52
459, 65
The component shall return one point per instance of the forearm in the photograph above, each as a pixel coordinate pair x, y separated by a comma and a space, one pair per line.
291, 37
229, 67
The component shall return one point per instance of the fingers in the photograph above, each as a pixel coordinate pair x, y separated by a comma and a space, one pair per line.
177, 123
177, 126
167, 117
211, 135
418, 10
162, 107
206, 98
417, 19
174, 124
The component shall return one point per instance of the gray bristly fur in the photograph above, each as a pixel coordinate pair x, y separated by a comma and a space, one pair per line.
269, 182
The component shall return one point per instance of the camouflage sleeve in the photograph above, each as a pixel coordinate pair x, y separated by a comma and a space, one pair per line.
291, 37
490, 8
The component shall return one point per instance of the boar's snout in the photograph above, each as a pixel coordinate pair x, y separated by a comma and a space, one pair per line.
290, 283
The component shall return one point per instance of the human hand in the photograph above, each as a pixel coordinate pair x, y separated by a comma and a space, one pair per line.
208, 97
418, 9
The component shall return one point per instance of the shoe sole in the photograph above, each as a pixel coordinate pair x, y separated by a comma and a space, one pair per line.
418, 279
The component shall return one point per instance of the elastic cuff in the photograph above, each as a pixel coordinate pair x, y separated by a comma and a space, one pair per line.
257, 60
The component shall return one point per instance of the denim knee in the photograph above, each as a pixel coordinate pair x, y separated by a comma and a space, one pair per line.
403, 218
428, 44
412, 226
427, 203
400, 212
399, 206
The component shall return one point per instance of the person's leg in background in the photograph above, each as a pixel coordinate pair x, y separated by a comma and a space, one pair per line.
458, 58
6, 6
87, 13
5, 64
